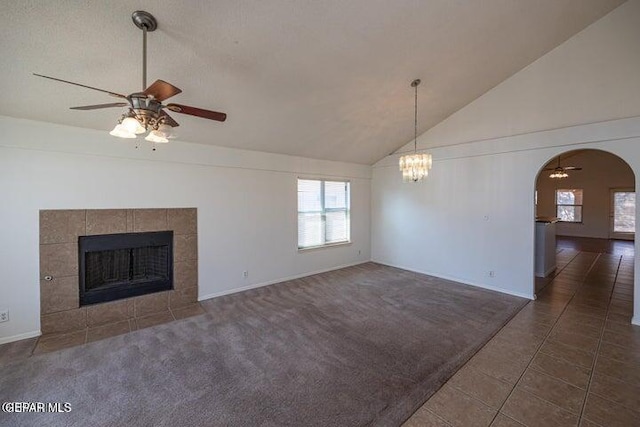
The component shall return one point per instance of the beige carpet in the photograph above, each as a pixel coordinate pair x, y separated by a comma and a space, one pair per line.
365, 345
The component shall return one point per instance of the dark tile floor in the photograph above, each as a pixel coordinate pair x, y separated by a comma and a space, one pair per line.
585, 244
570, 358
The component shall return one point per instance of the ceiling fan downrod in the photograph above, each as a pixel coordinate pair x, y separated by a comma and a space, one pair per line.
146, 22
145, 109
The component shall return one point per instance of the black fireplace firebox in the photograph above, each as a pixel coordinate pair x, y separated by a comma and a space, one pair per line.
116, 266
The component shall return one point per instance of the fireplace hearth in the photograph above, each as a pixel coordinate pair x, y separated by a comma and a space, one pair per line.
116, 266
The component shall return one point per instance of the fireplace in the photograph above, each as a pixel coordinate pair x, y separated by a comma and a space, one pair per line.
116, 266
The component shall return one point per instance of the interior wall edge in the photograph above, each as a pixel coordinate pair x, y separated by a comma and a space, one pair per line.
530, 296
33, 135
280, 280
571, 138
18, 337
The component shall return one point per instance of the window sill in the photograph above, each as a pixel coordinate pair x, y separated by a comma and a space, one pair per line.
330, 245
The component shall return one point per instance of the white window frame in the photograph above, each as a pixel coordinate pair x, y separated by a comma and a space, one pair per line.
325, 210
574, 205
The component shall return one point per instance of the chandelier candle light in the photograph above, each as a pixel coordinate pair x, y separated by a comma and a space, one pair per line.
415, 166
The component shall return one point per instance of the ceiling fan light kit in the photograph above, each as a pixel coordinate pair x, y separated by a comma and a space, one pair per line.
145, 110
560, 172
415, 167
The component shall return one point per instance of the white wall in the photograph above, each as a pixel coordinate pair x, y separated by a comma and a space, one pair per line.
475, 212
247, 206
601, 172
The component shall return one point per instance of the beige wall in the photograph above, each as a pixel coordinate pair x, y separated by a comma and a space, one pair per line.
601, 172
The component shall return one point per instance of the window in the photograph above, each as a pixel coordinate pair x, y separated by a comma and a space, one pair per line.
323, 213
624, 212
569, 205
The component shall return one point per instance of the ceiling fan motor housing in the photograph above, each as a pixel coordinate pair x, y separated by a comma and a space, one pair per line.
147, 110
140, 101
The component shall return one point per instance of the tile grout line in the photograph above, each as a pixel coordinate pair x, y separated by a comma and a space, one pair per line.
510, 417
558, 273
533, 368
608, 400
547, 336
595, 359
448, 424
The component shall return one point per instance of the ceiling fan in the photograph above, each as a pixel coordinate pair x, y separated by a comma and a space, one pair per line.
561, 171
145, 112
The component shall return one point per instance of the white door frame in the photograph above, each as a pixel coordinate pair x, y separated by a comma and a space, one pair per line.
613, 234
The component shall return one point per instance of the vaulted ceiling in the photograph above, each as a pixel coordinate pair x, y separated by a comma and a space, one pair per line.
323, 79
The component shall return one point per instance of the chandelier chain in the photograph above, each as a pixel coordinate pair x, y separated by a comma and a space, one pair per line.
415, 122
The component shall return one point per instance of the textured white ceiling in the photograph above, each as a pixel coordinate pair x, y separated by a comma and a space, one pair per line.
322, 79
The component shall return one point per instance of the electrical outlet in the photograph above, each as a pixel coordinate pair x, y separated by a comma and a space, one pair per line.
492, 273
4, 316
245, 274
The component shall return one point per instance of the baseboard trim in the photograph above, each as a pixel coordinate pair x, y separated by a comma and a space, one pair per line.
32, 334
530, 296
273, 282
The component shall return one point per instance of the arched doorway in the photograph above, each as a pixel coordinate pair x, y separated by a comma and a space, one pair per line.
592, 192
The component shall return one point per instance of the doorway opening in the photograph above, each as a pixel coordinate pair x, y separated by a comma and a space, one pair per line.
584, 203
623, 214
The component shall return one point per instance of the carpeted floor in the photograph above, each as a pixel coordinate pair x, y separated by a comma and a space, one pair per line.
365, 345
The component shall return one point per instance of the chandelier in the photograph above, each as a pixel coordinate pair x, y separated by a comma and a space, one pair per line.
415, 166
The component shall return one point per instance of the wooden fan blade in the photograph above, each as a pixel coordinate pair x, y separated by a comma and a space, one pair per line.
572, 168
169, 120
98, 106
198, 112
162, 90
117, 95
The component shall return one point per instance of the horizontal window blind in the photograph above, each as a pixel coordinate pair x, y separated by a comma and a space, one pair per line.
323, 212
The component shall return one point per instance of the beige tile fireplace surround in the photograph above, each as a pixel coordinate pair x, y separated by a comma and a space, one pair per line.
63, 321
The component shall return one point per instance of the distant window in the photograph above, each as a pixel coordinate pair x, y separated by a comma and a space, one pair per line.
624, 212
323, 213
569, 205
